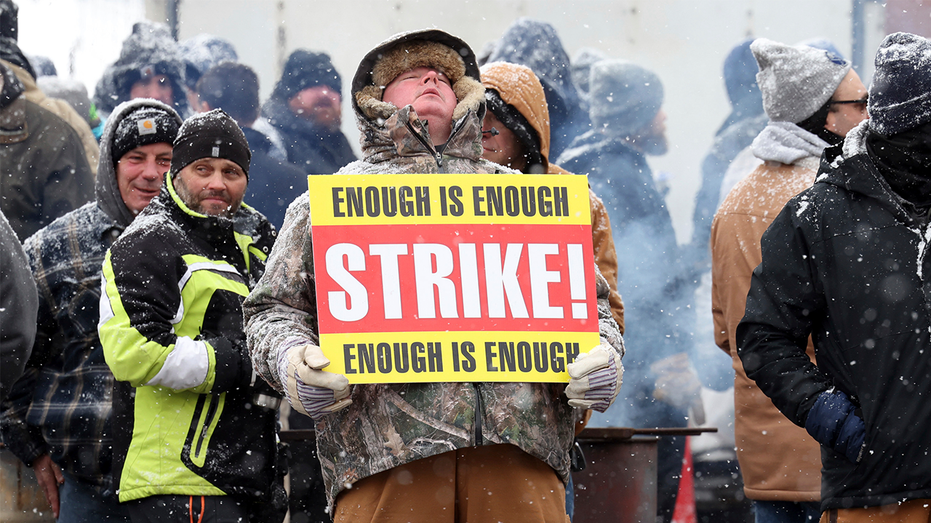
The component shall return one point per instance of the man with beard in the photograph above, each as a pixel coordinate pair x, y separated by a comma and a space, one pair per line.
305, 110
628, 124
813, 98
194, 428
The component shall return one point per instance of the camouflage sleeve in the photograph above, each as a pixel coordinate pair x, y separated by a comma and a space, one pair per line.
282, 307
607, 326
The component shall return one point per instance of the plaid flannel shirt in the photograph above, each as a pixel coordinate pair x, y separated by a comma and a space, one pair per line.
62, 404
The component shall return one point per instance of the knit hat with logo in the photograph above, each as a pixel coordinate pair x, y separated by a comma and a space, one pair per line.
213, 134
796, 81
144, 126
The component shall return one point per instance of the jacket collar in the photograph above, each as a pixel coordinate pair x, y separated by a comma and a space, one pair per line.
848, 165
405, 135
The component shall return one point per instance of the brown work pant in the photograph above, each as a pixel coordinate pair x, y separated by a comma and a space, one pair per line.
914, 511
494, 483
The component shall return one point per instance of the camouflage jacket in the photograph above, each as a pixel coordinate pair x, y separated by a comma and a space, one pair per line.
393, 424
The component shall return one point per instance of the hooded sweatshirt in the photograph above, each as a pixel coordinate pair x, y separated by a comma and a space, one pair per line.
536, 45
62, 406
148, 50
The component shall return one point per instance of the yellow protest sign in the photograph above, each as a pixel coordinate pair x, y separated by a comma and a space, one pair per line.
425, 278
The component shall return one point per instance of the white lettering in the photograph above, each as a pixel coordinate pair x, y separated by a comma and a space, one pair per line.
390, 276
357, 296
501, 280
468, 273
540, 278
426, 278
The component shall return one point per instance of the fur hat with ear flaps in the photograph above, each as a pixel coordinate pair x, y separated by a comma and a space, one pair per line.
405, 51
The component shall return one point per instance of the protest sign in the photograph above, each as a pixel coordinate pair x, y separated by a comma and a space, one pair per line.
427, 278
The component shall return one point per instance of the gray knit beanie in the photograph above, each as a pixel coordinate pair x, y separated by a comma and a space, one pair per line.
624, 97
796, 81
900, 96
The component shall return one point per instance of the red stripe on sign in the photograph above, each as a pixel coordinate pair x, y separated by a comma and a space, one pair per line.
458, 277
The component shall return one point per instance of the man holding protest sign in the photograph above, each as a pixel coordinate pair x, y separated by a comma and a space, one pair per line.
449, 449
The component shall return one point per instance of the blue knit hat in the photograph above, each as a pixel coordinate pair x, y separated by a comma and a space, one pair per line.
900, 96
624, 97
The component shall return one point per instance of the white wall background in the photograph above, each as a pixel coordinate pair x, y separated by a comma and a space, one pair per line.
684, 41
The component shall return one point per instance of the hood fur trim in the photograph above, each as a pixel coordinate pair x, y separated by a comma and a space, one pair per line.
418, 53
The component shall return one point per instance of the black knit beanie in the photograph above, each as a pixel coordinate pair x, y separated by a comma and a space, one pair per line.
212, 134
900, 95
306, 69
144, 126
9, 20
517, 124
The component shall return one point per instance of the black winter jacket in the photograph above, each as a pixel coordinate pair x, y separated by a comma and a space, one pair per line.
846, 261
174, 284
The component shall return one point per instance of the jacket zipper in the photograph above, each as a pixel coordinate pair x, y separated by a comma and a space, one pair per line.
211, 412
438, 156
423, 141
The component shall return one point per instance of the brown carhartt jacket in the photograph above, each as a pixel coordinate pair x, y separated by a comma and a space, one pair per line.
778, 459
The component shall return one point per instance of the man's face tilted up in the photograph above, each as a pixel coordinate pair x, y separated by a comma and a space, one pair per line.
431, 94
212, 186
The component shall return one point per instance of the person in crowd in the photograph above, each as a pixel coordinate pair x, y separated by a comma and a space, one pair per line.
419, 104
628, 124
73, 92
780, 463
201, 52
194, 430
42, 65
745, 161
43, 169
536, 45
234, 88
13, 58
18, 308
516, 134
844, 263
581, 67
58, 417
305, 108
741, 126
150, 66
